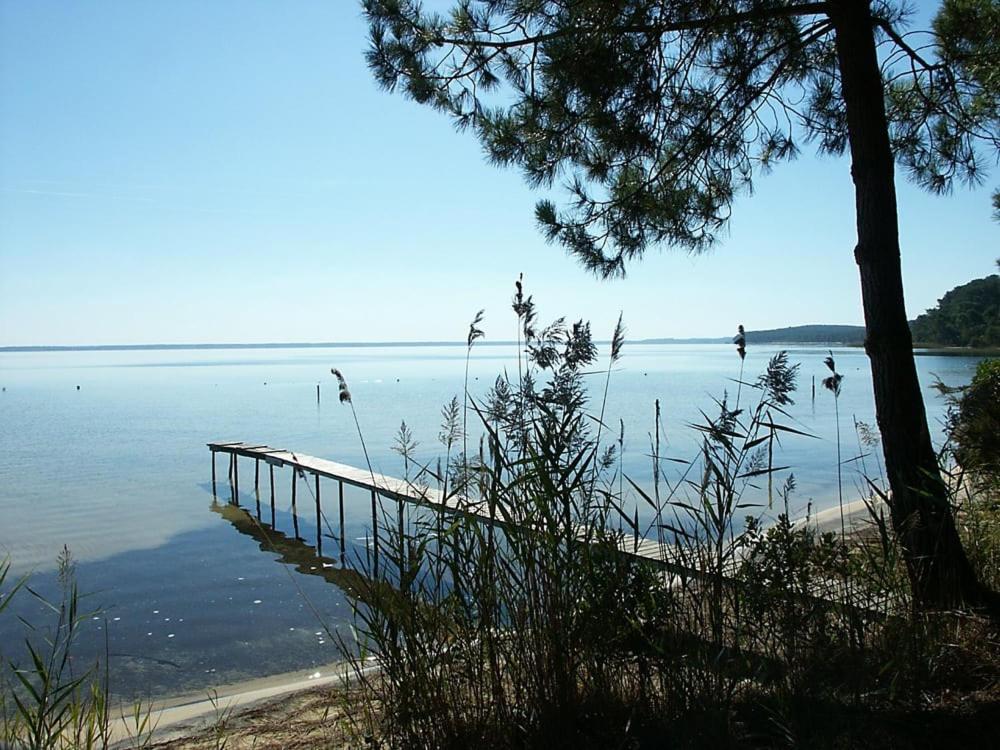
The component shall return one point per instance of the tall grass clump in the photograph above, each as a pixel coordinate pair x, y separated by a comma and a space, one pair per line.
558, 603
49, 702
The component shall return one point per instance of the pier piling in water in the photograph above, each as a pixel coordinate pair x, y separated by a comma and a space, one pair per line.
270, 468
375, 528
340, 492
319, 521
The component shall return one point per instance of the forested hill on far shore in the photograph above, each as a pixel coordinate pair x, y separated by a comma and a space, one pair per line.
809, 334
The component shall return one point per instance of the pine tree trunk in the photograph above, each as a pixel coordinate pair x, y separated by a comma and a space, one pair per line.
920, 510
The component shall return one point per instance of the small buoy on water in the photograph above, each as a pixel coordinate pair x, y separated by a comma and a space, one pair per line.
78, 387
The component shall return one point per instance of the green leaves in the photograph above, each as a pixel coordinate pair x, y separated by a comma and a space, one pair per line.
651, 118
652, 115
948, 106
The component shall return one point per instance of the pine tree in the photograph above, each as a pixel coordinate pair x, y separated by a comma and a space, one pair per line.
658, 113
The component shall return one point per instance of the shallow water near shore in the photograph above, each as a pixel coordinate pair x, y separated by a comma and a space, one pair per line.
189, 597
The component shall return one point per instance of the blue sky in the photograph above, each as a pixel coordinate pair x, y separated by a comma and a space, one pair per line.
228, 171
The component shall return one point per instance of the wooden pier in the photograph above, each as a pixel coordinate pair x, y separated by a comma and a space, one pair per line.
382, 486
667, 558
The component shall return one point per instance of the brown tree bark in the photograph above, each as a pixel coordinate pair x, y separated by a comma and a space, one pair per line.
921, 513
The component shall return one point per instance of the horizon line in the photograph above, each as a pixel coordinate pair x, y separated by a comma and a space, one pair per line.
368, 344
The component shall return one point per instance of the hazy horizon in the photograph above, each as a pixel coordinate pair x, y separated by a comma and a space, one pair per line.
710, 338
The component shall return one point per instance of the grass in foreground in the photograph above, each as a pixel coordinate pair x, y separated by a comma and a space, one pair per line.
535, 631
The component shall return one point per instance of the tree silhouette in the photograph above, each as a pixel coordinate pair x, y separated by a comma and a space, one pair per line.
656, 114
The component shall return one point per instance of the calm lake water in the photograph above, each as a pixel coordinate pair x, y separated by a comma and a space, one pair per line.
118, 471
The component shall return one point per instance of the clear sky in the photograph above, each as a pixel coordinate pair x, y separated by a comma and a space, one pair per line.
227, 171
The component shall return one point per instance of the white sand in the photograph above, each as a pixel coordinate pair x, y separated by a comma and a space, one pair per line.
183, 715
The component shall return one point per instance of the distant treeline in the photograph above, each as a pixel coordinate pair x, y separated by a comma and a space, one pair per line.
811, 334
968, 315
814, 334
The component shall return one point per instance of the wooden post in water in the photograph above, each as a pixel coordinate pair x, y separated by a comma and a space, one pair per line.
256, 488
401, 532
213, 476
271, 472
236, 479
232, 459
295, 516
256, 474
375, 531
319, 521
343, 546
317, 393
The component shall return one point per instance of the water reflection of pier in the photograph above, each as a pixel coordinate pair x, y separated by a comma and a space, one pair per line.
291, 550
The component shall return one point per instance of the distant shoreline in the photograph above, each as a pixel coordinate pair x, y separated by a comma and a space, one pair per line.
363, 344
919, 350
790, 336
819, 335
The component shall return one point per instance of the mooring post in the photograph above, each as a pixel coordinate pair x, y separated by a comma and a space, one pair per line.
814, 387
271, 473
295, 473
236, 479
319, 521
317, 393
232, 497
343, 546
375, 531
213, 474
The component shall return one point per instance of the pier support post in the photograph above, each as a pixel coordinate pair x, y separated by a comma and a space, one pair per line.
402, 543
375, 531
256, 500
236, 480
295, 512
213, 476
256, 474
270, 468
343, 546
319, 522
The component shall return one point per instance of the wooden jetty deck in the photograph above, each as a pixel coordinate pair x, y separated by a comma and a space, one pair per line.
391, 488
666, 557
